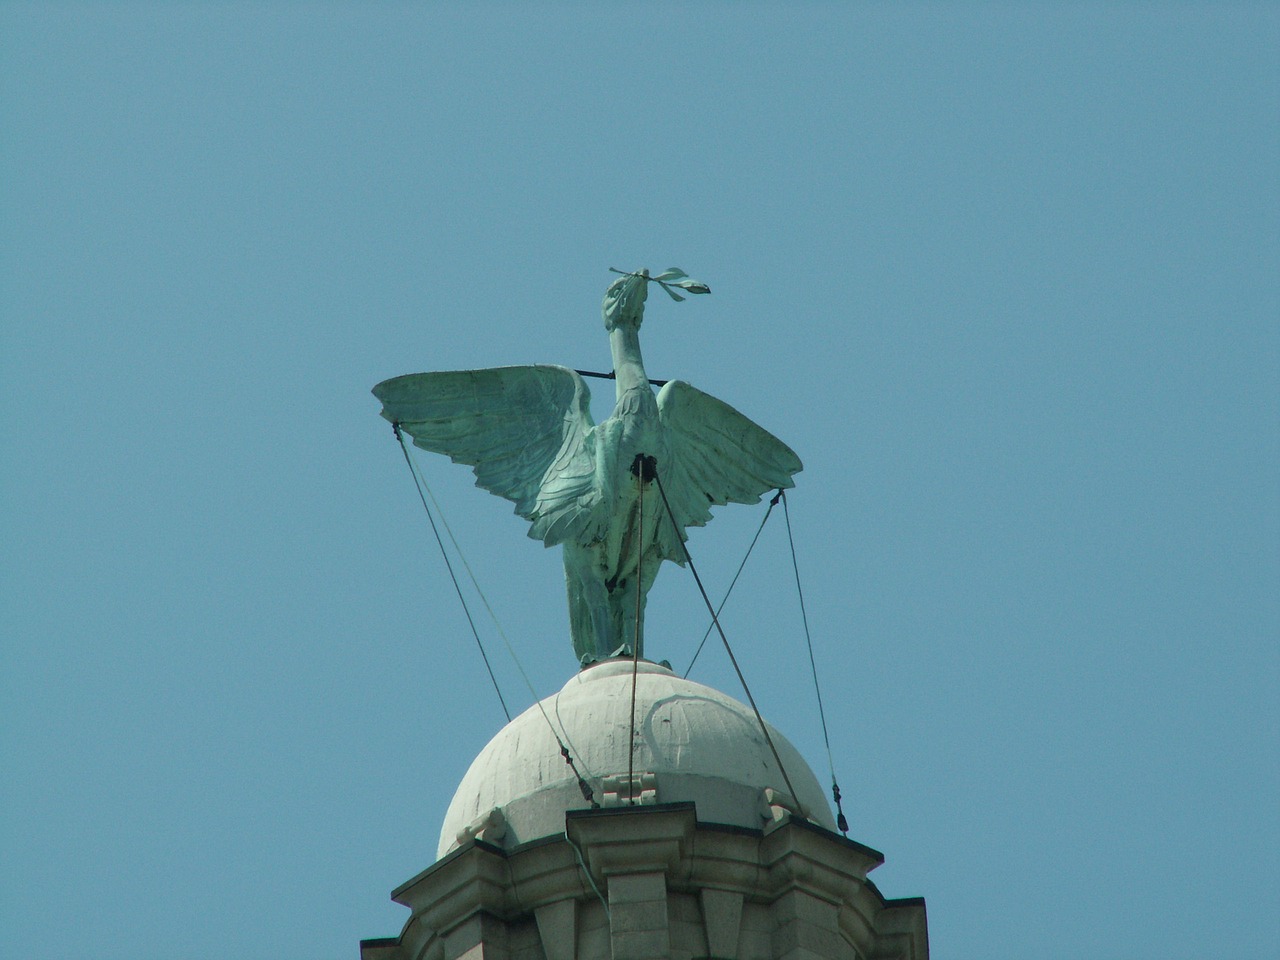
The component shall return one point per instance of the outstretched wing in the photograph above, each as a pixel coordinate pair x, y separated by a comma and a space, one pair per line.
715, 455
525, 431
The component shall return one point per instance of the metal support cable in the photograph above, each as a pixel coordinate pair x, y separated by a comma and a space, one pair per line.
637, 467
841, 822
732, 583
587, 793
449, 566
725, 640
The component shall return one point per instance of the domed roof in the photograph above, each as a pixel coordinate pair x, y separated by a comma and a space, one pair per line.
692, 743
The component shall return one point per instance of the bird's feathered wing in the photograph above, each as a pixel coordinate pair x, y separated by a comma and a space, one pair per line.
715, 455
526, 431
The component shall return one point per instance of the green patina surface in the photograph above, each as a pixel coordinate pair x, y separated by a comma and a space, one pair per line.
596, 490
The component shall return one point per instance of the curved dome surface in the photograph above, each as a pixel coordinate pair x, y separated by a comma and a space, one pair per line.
697, 743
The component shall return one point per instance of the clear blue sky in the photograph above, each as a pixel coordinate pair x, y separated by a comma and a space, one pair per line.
1006, 276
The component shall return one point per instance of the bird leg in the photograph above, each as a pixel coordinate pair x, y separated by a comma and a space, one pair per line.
627, 610
590, 623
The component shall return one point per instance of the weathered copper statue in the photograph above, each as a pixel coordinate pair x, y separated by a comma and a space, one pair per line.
528, 434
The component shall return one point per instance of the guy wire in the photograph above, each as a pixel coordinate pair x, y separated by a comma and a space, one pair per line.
449, 566
639, 466
822, 714
725, 640
732, 583
421, 483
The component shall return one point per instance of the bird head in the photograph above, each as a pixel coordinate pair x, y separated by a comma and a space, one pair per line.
624, 300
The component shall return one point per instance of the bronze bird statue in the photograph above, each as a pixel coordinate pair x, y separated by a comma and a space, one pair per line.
592, 488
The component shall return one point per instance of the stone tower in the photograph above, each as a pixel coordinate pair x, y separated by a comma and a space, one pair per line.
689, 845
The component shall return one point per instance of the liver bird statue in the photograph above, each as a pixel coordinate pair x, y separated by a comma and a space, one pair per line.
528, 434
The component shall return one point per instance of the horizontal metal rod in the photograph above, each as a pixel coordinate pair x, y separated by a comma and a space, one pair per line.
613, 376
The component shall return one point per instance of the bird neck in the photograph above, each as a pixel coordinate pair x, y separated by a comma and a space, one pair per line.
628, 365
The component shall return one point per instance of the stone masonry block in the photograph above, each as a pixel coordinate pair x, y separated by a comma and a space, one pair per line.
594, 942
684, 906
557, 928
643, 945
483, 951
648, 915
798, 905
797, 935
800, 953
479, 937
687, 940
633, 887
722, 914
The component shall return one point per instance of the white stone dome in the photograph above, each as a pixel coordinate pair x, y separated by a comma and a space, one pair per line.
697, 744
